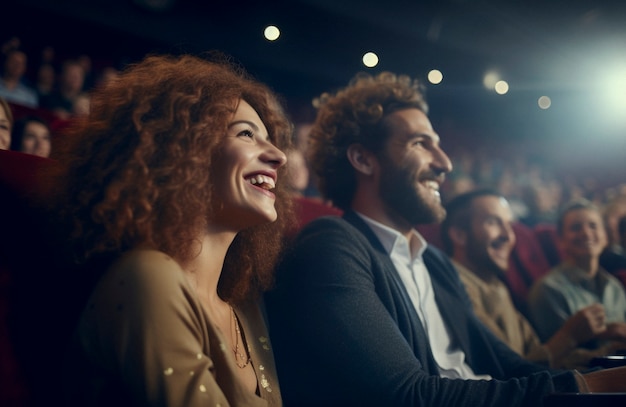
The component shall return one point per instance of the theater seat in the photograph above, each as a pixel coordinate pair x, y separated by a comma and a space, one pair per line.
548, 240
431, 233
528, 263
307, 209
19, 249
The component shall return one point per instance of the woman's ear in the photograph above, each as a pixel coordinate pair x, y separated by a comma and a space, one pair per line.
361, 159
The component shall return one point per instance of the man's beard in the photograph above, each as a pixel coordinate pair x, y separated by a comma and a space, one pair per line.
400, 194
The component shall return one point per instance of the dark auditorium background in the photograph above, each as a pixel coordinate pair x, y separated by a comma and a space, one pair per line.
572, 51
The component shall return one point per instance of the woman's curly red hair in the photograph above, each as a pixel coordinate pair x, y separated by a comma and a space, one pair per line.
137, 170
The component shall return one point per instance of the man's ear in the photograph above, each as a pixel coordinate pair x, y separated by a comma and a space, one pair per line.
361, 159
458, 236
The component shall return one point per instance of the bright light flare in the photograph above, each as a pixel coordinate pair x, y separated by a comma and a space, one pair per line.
501, 87
370, 59
490, 79
614, 90
271, 33
544, 102
435, 76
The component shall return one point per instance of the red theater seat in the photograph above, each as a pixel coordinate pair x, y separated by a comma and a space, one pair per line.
19, 185
548, 240
308, 209
528, 263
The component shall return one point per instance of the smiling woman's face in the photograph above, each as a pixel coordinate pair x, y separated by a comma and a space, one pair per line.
245, 172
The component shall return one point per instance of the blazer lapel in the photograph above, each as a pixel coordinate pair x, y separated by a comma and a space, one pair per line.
422, 349
447, 301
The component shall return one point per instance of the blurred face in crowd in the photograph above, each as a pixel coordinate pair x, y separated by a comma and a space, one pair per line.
36, 140
15, 64
413, 166
5, 130
46, 77
73, 78
490, 238
583, 236
298, 171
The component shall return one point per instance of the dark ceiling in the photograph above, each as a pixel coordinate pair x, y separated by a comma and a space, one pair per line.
540, 47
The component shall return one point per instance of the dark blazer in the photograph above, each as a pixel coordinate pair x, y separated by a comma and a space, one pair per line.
345, 332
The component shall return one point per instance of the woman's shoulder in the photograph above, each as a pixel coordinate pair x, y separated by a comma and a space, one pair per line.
146, 270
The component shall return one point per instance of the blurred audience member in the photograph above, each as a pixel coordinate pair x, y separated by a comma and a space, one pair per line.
542, 199
69, 88
613, 258
11, 44
86, 62
13, 86
46, 77
301, 132
47, 55
107, 74
31, 135
298, 172
6, 124
82, 105
579, 280
478, 234
614, 210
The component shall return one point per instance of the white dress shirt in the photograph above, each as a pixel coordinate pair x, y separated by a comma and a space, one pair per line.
407, 259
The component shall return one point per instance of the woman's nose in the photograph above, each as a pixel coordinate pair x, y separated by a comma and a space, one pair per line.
274, 155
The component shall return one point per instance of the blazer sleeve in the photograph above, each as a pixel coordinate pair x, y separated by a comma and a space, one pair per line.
336, 342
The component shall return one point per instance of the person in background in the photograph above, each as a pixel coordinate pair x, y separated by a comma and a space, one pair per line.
46, 79
6, 124
298, 178
364, 311
13, 87
31, 135
174, 197
478, 234
579, 280
70, 85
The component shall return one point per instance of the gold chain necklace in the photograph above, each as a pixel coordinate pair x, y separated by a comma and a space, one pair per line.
241, 359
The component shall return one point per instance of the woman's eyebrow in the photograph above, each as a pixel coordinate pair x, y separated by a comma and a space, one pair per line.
248, 122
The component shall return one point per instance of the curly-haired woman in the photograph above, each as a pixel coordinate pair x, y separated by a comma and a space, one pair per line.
173, 183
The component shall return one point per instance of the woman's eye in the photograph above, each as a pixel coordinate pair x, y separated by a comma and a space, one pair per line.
246, 133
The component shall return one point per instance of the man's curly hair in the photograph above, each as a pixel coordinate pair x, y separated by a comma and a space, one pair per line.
137, 170
354, 115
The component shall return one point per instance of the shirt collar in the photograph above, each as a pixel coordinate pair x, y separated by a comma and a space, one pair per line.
392, 240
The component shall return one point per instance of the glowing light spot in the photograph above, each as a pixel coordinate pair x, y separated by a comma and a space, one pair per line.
490, 79
544, 102
615, 90
435, 76
370, 59
501, 87
271, 33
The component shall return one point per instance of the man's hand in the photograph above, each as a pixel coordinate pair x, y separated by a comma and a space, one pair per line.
586, 324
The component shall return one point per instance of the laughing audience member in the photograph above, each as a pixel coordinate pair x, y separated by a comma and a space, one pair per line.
579, 281
478, 234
